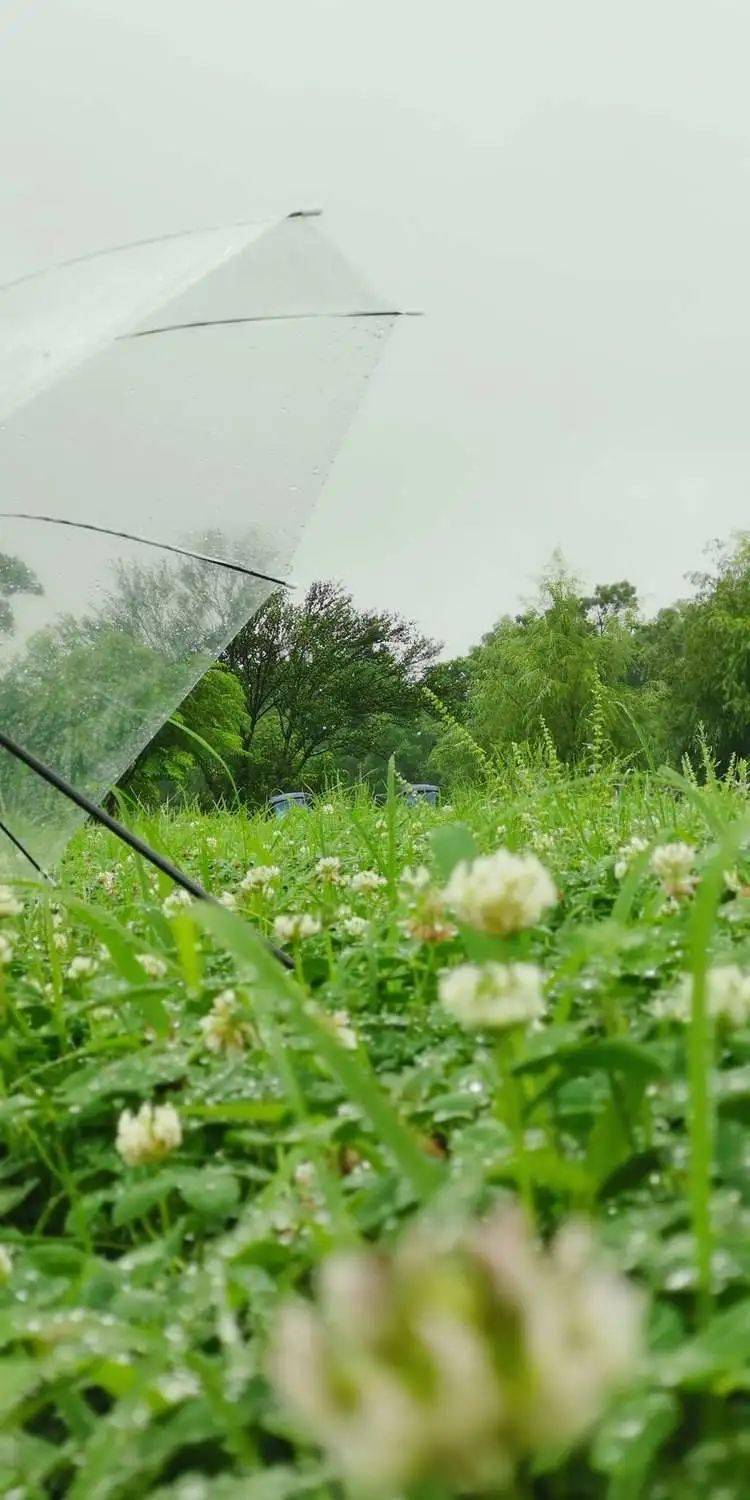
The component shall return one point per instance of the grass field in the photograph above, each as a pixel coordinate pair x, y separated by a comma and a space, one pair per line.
358, 1134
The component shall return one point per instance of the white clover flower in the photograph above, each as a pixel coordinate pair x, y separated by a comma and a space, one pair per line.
224, 1029
306, 1182
292, 927
427, 921
149, 1135
154, 966
519, 1349
544, 841
60, 941
328, 869
429, 927
81, 967
367, 880
415, 880
355, 926
6, 1263
107, 879
305, 1174
176, 901
327, 808
627, 853
673, 865
727, 997
174, 1387
6, 948
260, 878
211, 842
492, 995
501, 892
340, 1024
229, 900
10, 906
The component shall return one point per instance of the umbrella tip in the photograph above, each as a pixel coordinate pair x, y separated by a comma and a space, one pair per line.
305, 213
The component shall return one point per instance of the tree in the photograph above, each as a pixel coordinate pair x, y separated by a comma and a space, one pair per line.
611, 601
328, 673
700, 651
16, 577
198, 751
547, 663
451, 682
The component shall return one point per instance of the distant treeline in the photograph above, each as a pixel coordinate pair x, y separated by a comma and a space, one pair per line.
320, 691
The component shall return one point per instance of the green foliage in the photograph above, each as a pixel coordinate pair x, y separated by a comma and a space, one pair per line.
135, 1321
546, 665
701, 651
199, 750
330, 691
15, 578
328, 675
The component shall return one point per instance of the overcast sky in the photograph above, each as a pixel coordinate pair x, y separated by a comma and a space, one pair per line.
563, 187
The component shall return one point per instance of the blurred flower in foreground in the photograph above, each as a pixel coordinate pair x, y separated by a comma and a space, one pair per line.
492, 995
500, 892
148, 1136
6, 1263
293, 926
673, 866
727, 997
455, 1362
6, 949
340, 1024
10, 906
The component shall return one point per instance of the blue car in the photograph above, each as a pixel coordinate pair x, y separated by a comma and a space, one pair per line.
422, 791
282, 802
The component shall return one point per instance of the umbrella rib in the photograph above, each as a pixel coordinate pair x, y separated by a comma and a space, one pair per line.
147, 333
23, 850
146, 541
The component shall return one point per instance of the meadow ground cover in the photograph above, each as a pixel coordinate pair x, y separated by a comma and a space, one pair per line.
458, 1205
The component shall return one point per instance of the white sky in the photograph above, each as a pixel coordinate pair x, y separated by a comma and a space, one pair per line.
563, 187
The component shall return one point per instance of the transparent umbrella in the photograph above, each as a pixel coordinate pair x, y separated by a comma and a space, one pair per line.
169, 412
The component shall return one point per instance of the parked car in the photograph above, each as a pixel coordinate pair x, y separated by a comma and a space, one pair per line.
422, 791
282, 802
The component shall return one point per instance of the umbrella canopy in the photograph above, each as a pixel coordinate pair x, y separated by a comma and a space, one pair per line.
168, 414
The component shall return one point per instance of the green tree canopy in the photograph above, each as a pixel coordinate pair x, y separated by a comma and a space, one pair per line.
545, 665
328, 673
15, 578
